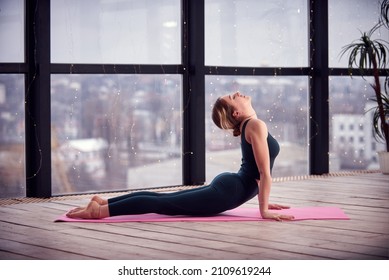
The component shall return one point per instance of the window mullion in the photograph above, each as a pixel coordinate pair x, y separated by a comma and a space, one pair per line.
319, 105
37, 99
193, 92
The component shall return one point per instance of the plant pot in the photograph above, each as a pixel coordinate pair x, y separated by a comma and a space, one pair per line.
384, 162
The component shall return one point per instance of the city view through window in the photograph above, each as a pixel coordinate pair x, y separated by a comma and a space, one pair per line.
115, 132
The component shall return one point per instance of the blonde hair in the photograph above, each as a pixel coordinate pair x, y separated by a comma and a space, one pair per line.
222, 116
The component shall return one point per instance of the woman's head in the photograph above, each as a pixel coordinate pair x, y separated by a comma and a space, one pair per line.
222, 116
229, 111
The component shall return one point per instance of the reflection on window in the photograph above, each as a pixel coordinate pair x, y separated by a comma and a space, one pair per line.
350, 108
12, 31
112, 132
12, 142
281, 102
116, 32
347, 19
256, 33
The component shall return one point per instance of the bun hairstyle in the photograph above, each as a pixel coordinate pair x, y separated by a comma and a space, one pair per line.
222, 116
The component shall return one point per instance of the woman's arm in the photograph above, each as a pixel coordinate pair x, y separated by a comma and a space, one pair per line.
256, 135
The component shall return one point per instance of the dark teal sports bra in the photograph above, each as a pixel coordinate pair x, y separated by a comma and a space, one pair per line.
249, 166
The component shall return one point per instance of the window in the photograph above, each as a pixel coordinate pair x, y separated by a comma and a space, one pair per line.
350, 98
349, 107
12, 31
111, 132
12, 140
116, 32
12, 92
347, 19
256, 33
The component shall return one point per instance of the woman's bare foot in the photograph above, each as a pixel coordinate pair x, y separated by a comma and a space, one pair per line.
99, 200
77, 209
92, 211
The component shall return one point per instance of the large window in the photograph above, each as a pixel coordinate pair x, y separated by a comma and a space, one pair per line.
101, 95
352, 144
115, 131
11, 31
12, 92
256, 33
12, 173
347, 19
112, 132
116, 32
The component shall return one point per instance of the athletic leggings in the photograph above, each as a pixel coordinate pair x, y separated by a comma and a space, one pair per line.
226, 191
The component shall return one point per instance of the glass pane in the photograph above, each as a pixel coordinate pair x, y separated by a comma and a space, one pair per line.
352, 145
281, 102
115, 132
256, 33
116, 31
12, 141
347, 19
12, 31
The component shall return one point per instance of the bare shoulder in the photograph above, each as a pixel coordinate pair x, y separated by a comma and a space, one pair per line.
257, 125
256, 129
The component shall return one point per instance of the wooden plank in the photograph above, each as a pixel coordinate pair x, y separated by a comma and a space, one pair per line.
11, 256
84, 246
289, 242
168, 243
289, 235
27, 251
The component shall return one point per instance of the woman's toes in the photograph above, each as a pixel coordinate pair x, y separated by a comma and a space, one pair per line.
92, 211
77, 209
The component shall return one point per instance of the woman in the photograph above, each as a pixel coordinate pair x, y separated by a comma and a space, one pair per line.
226, 191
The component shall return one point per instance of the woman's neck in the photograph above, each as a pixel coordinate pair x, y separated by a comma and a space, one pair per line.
252, 116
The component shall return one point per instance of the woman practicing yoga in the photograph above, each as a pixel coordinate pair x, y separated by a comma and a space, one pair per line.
226, 191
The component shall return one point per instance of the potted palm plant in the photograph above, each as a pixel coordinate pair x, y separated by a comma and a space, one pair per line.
367, 54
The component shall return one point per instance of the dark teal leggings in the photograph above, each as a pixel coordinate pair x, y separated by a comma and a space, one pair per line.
226, 191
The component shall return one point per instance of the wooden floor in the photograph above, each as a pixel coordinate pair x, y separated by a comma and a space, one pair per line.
27, 230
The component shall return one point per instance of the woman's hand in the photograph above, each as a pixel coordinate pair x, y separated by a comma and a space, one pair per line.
277, 206
276, 216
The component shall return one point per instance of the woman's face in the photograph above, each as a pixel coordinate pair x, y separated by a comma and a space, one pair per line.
241, 103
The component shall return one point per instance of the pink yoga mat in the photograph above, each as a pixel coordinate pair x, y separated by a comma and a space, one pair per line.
237, 214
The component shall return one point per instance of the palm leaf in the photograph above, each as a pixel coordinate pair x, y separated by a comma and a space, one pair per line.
378, 125
385, 12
